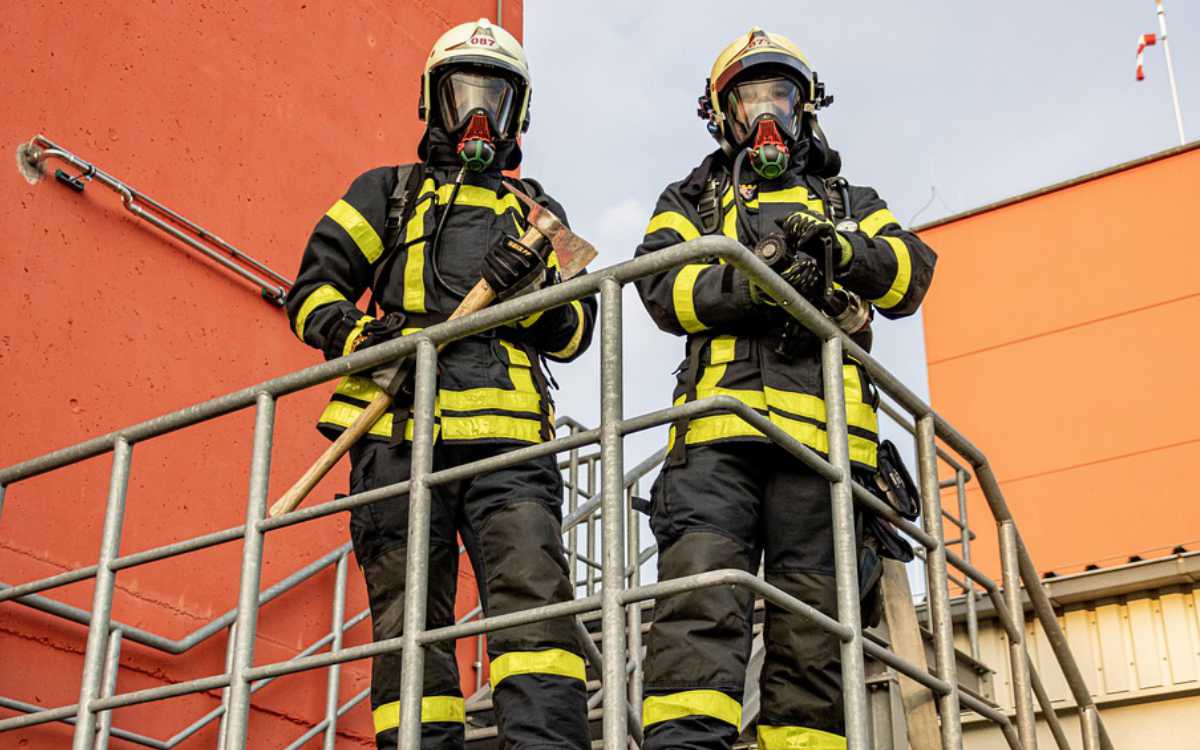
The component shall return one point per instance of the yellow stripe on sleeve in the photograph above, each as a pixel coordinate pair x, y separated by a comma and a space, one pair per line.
683, 296
674, 221
903, 275
359, 229
322, 295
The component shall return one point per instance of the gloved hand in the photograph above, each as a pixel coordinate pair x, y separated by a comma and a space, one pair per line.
807, 232
388, 327
803, 273
512, 268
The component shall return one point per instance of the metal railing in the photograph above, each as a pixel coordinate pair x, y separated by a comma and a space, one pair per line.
617, 587
32, 158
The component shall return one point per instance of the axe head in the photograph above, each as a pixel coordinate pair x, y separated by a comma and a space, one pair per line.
573, 252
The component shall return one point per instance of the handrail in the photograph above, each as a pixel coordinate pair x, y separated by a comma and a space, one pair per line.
613, 595
32, 158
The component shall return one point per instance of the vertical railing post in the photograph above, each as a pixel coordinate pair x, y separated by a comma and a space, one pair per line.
845, 550
416, 584
633, 552
960, 481
1090, 721
590, 587
237, 724
572, 504
97, 640
612, 488
1022, 684
938, 594
338, 617
223, 729
112, 663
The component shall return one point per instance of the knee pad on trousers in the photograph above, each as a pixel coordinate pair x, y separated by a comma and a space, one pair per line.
524, 566
385, 578
700, 638
802, 676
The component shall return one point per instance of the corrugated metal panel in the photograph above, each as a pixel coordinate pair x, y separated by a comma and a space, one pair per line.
1139, 646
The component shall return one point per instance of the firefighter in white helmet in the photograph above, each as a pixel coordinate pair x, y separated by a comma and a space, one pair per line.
727, 497
418, 237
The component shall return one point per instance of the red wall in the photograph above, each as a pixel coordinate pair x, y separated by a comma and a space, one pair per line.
250, 120
1061, 336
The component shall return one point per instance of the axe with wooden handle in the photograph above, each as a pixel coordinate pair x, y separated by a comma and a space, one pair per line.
546, 230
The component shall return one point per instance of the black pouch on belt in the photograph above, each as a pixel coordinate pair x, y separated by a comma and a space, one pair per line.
892, 483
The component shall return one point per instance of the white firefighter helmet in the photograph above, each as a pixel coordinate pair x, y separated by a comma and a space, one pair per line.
489, 50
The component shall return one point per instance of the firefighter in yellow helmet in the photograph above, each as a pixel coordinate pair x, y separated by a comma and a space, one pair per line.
417, 238
727, 497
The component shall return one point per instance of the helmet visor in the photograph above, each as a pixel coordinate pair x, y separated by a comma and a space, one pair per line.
778, 97
465, 91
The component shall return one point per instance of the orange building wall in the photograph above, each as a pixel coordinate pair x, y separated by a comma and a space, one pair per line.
251, 119
1061, 333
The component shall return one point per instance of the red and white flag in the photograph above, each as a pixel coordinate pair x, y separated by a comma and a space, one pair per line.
1144, 41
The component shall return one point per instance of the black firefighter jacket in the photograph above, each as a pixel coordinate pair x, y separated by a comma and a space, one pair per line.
730, 338
491, 388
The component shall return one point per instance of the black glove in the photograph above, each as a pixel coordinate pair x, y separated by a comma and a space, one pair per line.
390, 326
808, 232
512, 267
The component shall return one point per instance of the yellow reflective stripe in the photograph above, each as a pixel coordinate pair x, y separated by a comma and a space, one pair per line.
341, 414
479, 197
553, 661
434, 709
516, 355
798, 738
358, 387
853, 384
322, 295
719, 427
443, 708
798, 194
489, 426
359, 229
753, 399
478, 399
682, 296
529, 321
712, 703
573, 345
723, 349
355, 332
903, 274
674, 221
877, 220
414, 263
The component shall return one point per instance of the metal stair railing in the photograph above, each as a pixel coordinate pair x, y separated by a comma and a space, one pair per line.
613, 596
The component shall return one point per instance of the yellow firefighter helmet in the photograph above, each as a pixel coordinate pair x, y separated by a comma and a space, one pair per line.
756, 49
482, 44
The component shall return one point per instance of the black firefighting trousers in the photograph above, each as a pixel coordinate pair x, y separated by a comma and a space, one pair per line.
726, 506
510, 522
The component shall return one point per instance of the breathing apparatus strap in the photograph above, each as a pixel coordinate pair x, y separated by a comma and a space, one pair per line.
399, 206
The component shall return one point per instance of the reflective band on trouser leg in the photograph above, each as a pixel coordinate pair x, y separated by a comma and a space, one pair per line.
710, 703
798, 738
435, 709
553, 661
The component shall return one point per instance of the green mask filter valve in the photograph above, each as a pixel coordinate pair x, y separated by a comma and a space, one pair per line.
769, 154
476, 148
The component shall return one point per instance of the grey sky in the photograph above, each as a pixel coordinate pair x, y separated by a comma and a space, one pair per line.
981, 100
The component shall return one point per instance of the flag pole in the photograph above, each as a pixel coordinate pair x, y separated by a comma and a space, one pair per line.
1162, 29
